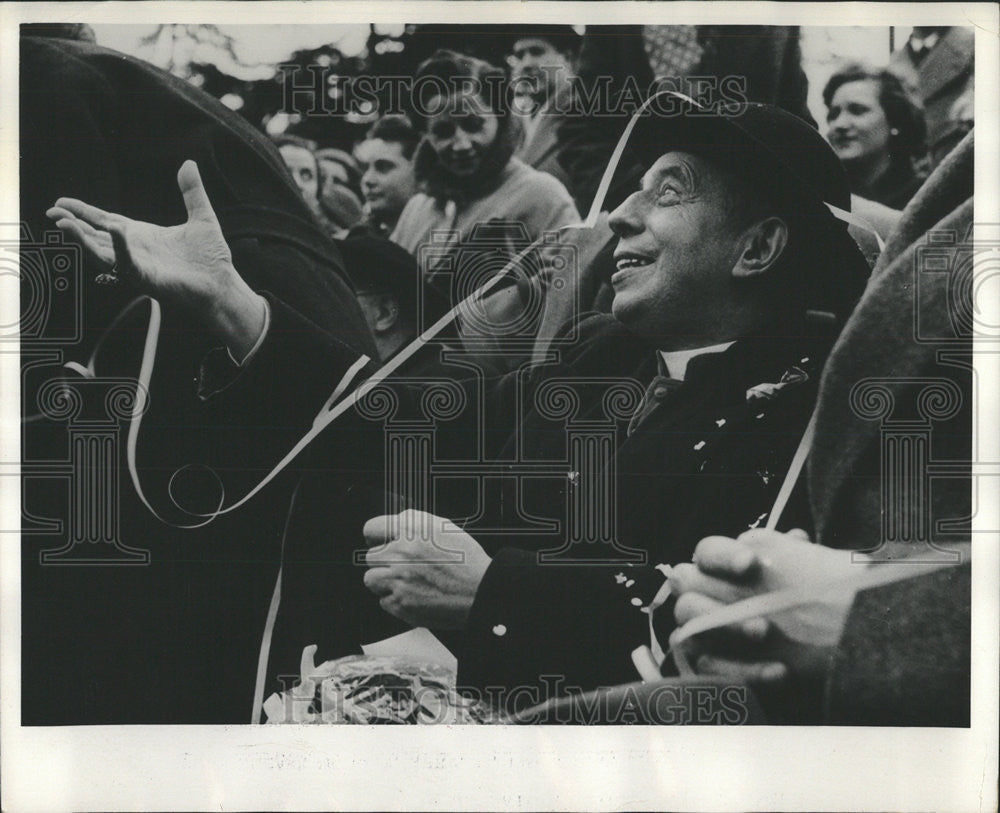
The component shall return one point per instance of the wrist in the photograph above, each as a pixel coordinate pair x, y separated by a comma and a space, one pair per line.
236, 315
474, 578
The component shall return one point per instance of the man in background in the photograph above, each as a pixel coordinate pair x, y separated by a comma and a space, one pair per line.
387, 181
542, 64
385, 279
937, 62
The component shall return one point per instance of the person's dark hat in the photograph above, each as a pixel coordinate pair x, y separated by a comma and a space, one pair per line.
374, 264
758, 142
788, 161
564, 38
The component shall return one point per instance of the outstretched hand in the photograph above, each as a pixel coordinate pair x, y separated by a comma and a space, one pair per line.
189, 266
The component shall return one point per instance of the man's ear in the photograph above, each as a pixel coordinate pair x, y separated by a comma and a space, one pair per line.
386, 313
763, 243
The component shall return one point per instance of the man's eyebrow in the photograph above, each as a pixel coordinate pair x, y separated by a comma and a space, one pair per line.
680, 171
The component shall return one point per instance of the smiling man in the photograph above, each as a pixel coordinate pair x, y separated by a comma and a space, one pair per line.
726, 256
541, 64
723, 251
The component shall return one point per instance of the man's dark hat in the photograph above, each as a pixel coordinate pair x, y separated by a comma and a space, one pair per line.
788, 161
565, 38
377, 264
759, 142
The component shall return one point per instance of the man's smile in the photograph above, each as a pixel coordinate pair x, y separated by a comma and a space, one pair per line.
626, 261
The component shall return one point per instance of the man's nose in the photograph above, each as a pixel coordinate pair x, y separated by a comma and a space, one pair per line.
627, 218
460, 141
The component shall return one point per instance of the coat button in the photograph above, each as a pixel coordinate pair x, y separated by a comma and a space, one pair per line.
500, 630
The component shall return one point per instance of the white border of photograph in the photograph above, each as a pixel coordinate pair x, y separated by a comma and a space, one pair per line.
472, 768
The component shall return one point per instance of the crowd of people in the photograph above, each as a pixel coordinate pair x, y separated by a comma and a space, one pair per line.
665, 330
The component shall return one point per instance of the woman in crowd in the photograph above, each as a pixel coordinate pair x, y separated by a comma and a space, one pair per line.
877, 129
299, 155
468, 177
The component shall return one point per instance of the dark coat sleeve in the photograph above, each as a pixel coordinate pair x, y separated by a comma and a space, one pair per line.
905, 656
175, 640
539, 626
87, 135
924, 289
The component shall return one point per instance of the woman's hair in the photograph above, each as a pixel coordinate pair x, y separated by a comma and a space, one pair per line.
903, 112
449, 71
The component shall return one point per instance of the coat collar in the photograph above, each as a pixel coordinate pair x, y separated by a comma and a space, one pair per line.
756, 360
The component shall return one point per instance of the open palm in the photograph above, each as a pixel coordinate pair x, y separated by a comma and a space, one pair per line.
189, 264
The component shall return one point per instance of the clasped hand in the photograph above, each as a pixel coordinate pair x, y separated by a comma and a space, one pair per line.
424, 568
796, 643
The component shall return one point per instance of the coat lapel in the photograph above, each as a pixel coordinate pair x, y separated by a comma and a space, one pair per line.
543, 141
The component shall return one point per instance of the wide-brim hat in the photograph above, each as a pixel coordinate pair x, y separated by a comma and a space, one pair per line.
377, 264
788, 161
565, 38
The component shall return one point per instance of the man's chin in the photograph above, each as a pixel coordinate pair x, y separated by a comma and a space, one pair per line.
622, 310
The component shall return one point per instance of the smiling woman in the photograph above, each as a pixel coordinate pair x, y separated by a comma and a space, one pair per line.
878, 132
469, 135
469, 178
